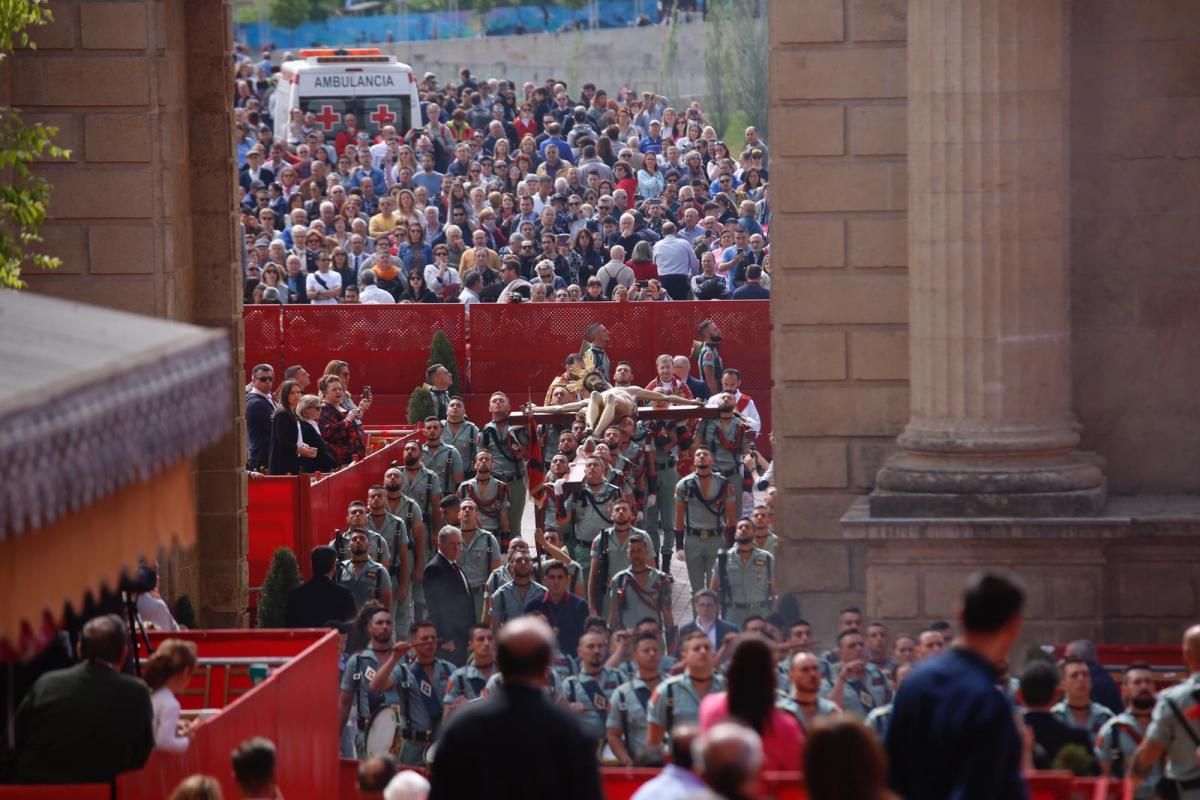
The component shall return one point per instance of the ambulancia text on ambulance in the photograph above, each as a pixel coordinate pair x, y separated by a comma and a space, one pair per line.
376, 88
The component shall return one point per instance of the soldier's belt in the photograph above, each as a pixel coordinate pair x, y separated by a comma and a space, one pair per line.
424, 737
670, 462
743, 606
703, 533
728, 473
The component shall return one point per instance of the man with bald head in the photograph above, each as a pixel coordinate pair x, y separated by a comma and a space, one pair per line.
468, 764
1175, 730
729, 757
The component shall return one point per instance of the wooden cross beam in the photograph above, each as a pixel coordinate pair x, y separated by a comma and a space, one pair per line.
644, 413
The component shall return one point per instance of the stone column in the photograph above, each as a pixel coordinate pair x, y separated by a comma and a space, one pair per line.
991, 431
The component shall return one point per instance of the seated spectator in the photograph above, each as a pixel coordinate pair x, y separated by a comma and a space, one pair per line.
752, 289
616, 272
371, 293
417, 291
198, 787
339, 427
167, 672
750, 700
254, 768
595, 291
1039, 683
151, 607
309, 411
844, 761
89, 722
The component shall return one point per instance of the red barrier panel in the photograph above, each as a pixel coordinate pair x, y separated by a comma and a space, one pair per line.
263, 337
74, 791
324, 502
745, 327
348, 778
387, 346
288, 708
620, 783
272, 516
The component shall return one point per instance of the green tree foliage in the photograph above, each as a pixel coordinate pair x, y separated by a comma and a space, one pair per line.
735, 62
442, 352
420, 405
282, 576
23, 196
289, 14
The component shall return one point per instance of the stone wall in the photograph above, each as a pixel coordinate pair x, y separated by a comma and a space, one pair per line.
1135, 258
839, 305
142, 214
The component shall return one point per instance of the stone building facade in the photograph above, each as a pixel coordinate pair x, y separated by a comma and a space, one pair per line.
982, 249
142, 215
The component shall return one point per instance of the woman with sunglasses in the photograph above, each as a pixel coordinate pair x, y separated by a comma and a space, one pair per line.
414, 253
416, 290
440, 277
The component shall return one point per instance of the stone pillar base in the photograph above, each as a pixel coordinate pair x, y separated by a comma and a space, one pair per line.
1129, 575
945, 485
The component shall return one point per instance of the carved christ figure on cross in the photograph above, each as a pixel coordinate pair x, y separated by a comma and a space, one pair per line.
609, 403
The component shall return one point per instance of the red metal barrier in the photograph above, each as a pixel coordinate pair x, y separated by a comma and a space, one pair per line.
299, 513
387, 346
289, 708
263, 337
74, 791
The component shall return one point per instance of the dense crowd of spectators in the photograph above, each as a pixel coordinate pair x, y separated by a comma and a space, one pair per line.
539, 196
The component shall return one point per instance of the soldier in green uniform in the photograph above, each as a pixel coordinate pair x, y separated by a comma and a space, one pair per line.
1121, 735
400, 564
467, 682
1076, 708
423, 486
617, 469
804, 701
745, 578
609, 555
420, 681
764, 537
677, 699
705, 505
880, 719
726, 439
408, 510
480, 555
859, 686
587, 512
634, 445
461, 434
356, 695
628, 709
624, 643
440, 458
365, 578
490, 496
587, 692
554, 551
709, 360
510, 599
507, 445
667, 437
356, 519
1173, 732
641, 591
594, 357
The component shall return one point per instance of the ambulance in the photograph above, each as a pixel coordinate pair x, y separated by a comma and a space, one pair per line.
376, 88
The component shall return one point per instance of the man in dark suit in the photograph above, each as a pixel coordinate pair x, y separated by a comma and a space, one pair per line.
468, 764
448, 596
259, 408
706, 621
89, 722
320, 599
254, 170
697, 387
1039, 681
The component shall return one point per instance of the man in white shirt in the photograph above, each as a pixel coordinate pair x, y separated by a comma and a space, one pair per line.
324, 286
731, 381
676, 261
472, 283
369, 292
